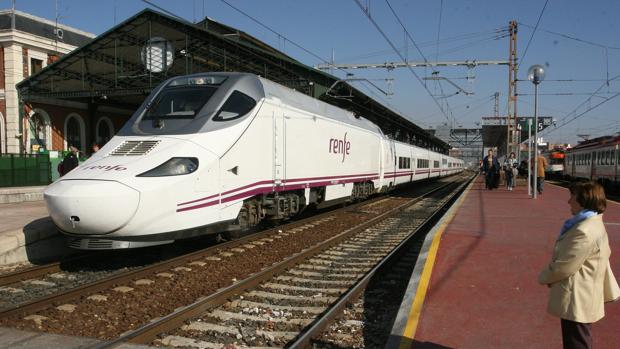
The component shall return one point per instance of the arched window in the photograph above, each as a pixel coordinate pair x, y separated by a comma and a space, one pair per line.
40, 131
75, 132
38, 136
104, 131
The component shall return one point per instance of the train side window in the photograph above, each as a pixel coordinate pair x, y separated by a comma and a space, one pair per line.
236, 106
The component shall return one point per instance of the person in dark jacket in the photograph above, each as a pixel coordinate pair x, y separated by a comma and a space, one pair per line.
70, 161
491, 169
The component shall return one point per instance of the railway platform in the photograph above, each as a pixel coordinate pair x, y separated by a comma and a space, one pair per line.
28, 234
21, 194
475, 283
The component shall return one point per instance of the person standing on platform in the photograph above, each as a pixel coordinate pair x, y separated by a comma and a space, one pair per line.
510, 167
579, 273
69, 162
491, 168
540, 175
94, 148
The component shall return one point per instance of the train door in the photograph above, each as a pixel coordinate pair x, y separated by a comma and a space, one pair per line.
573, 171
593, 165
278, 147
614, 162
387, 162
394, 166
412, 164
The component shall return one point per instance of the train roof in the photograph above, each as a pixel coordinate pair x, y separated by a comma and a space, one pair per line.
301, 101
597, 142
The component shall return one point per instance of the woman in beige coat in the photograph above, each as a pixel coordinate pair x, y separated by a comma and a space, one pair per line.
579, 274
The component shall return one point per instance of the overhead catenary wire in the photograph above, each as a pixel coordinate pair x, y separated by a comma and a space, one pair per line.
582, 114
533, 32
376, 25
406, 31
276, 33
164, 10
568, 94
574, 38
439, 30
290, 41
589, 98
488, 35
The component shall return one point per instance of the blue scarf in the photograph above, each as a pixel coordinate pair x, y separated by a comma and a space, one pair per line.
582, 215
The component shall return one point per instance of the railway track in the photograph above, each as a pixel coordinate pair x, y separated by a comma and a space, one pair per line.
292, 302
31, 288
29, 284
169, 277
132, 298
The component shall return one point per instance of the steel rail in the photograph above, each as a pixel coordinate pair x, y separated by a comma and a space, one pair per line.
37, 271
30, 273
149, 332
319, 324
103, 284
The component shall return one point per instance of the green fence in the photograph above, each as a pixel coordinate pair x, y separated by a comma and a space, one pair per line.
21, 170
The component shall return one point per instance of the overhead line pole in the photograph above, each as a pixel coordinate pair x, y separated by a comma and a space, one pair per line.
511, 124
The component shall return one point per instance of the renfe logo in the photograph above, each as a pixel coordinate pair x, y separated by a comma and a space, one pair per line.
338, 146
105, 168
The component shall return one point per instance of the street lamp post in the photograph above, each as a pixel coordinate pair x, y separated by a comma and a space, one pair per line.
529, 156
535, 74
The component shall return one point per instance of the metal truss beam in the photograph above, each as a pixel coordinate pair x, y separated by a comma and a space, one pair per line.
393, 65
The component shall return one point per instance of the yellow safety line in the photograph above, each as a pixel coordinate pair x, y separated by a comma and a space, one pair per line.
418, 300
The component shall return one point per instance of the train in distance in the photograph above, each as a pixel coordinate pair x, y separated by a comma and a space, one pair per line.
217, 153
596, 159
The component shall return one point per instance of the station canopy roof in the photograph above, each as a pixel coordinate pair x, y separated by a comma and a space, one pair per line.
121, 66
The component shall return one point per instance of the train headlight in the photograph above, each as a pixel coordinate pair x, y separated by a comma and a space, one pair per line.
173, 167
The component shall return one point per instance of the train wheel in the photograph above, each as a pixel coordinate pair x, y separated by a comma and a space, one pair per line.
232, 235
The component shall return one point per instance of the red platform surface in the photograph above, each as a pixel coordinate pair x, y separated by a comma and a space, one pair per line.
483, 290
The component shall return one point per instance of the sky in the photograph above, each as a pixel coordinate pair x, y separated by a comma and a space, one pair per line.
576, 42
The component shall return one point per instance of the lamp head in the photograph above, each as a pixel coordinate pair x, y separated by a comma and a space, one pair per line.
536, 74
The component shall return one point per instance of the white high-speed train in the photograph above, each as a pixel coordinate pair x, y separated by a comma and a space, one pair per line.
219, 152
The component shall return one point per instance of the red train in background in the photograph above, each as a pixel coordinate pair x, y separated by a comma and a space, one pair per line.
555, 163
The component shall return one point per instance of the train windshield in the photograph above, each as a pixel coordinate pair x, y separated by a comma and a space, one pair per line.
183, 98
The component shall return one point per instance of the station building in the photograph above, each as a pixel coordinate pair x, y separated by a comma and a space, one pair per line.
89, 93
28, 44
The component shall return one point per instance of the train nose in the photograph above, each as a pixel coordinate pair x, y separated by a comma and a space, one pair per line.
91, 206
